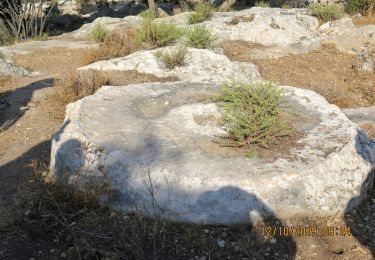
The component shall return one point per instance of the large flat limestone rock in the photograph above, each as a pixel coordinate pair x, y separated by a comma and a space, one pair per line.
201, 66
147, 142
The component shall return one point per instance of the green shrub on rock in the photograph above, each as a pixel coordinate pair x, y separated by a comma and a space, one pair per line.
99, 33
203, 11
199, 37
263, 4
252, 114
355, 6
147, 14
327, 12
158, 33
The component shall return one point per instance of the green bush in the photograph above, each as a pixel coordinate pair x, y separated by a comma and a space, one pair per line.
262, 4
355, 6
157, 34
252, 113
2, 55
327, 12
147, 15
199, 37
203, 11
172, 59
99, 33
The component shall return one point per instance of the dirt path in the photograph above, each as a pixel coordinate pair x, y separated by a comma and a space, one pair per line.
32, 122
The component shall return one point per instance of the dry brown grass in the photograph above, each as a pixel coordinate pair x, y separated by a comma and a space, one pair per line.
238, 19
115, 44
365, 20
172, 59
77, 85
4, 80
327, 71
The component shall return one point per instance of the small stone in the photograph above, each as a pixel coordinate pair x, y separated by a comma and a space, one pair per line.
221, 243
224, 234
52, 250
206, 231
63, 255
273, 240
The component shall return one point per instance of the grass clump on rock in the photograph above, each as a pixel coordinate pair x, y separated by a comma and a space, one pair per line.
199, 37
172, 59
2, 55
203, 11
327, 12
147, 14
252, 115
263, 4
98, 33
75, 86
114, 44
157, 33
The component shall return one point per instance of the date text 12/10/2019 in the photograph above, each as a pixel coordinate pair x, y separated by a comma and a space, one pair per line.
290, 231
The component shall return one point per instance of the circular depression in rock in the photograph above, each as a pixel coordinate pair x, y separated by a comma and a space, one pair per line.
145, 141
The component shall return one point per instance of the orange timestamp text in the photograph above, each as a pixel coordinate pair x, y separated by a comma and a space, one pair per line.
290, 231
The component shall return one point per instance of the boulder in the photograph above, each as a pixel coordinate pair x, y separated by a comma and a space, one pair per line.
201, 66
151, 145
9, 69
109, 23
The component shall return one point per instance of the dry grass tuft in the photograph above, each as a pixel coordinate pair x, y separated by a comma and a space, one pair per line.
4, 80
364, 20
243, 18
115, 44
172, 59
75, 86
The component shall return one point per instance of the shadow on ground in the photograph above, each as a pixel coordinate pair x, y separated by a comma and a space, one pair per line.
17, 100
361, 219
60, 224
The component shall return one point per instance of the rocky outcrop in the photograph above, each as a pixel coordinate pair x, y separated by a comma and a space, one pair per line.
149, 142
201, 66
9, 69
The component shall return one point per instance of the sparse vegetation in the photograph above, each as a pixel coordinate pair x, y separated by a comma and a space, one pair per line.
75, 86
147, 14
252, 114
203, 11
2, 55
237, 19
285, 6
157, 33
327, 12
115, 44
43, 37
98, 33
263, 4
199, 37
173, 58
362, 6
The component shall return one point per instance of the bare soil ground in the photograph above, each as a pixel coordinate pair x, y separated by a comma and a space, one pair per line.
45, 221
328, 71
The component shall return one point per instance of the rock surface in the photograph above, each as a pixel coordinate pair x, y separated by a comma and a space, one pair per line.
201, 66
9, 69
148, 143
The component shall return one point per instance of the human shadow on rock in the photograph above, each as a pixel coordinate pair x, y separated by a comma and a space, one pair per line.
232, 204
360, 214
